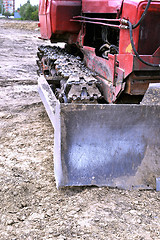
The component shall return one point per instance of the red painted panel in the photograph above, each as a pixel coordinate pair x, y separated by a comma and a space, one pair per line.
102, 6
43, 19
149, 36
129, 12
54, 17
125, 62
61, 13
132, 11
103, 67
48, 16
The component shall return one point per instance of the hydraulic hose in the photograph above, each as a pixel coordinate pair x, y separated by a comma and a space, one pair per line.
131, 36
143, 15
135, 51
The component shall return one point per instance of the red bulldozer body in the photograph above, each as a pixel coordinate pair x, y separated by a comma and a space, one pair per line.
101, 30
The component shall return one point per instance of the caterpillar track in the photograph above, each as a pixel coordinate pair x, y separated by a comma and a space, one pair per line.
69, 78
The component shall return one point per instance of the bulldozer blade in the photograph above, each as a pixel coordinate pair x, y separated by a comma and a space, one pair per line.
104, 144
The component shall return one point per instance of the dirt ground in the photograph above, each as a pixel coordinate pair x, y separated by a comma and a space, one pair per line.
30, 205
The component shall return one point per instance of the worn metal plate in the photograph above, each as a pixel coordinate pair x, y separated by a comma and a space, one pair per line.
104, 145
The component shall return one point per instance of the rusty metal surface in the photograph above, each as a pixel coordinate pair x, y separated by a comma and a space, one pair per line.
104, 145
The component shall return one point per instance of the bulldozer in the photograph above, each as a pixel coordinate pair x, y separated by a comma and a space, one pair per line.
99, 81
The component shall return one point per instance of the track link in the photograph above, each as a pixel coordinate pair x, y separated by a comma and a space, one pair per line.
70, 79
